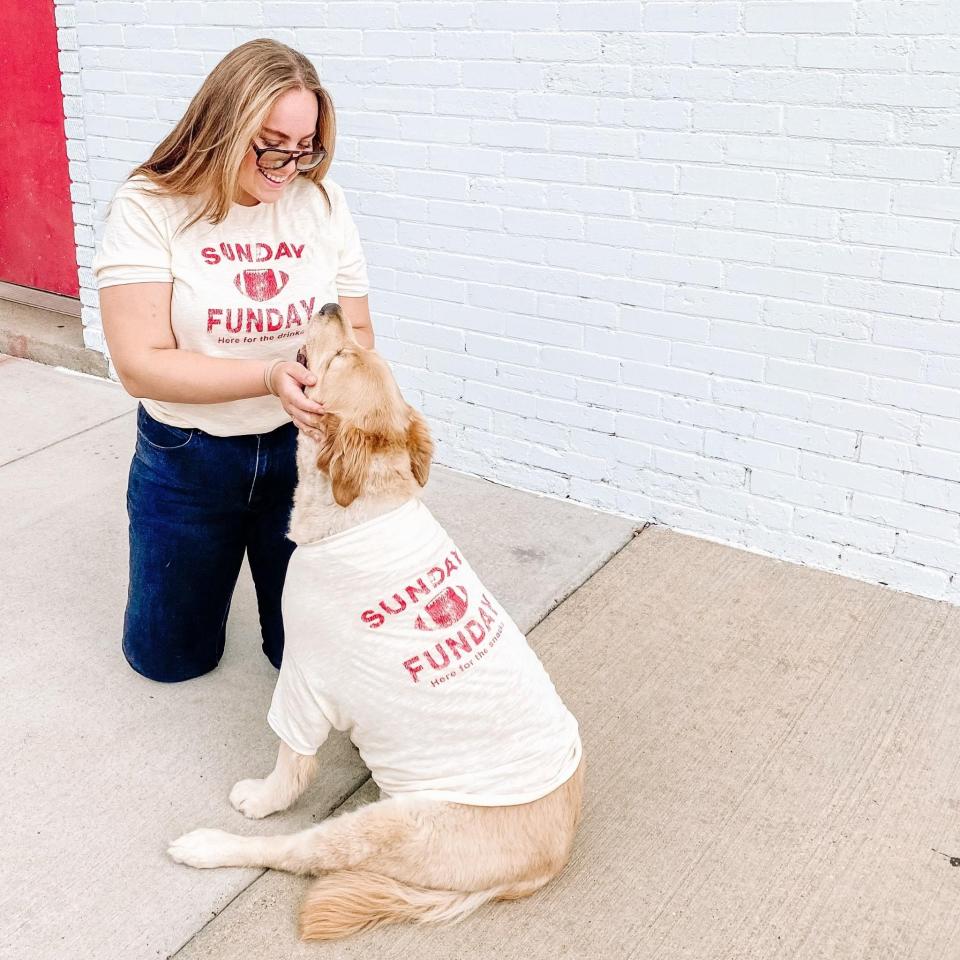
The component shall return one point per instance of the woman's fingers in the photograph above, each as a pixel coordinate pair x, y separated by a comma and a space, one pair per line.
308, 417
304, 378
317, 435
308, 411
306, 414
300, 373
310, 406
291, 378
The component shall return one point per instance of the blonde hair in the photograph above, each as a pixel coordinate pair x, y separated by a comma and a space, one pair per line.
201, 156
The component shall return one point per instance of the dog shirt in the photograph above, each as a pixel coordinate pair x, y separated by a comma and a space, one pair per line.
390, 635
244, 288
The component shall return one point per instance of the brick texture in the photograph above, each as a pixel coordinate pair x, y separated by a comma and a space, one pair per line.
697, 263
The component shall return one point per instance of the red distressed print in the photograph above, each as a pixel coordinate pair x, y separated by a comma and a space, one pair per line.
251, 252
460, 652
446, 609
413, 593
247, 324
261, 285
250, 324
238, 324
435, 602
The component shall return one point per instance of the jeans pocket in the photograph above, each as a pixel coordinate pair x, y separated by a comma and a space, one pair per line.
162, 436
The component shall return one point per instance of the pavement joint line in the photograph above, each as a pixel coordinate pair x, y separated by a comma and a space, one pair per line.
354, 790
186, 943
337, 804
79, 433
634, 533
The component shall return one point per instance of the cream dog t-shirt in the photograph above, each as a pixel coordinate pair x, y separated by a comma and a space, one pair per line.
242, 289
390, 635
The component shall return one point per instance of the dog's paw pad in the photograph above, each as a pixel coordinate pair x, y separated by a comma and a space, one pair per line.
252, 799
203, 848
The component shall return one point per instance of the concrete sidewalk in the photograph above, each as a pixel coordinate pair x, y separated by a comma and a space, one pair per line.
771, 751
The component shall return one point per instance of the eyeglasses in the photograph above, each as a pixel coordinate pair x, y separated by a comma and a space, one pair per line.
272, 158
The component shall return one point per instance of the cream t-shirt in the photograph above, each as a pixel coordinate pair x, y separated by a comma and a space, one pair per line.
390, 635
243, 289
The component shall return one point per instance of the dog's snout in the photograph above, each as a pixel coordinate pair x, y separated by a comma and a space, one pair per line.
331, 310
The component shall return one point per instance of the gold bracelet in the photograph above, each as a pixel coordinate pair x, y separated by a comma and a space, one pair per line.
268, 376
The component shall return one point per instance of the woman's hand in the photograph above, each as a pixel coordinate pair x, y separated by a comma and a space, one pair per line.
287, 380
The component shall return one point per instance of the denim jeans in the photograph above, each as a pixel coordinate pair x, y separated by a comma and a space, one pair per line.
196, 504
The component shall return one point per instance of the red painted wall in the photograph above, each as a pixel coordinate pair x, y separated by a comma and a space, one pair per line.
37, 247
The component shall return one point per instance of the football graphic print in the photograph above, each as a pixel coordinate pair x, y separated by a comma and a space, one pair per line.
446, 609
261, 285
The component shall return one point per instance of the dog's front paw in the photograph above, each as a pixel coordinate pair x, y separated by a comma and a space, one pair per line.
254, 799
207, 848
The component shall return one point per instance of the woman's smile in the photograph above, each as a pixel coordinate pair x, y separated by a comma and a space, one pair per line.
274, 182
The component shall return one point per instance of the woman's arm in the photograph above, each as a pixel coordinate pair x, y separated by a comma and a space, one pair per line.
136, 324
357, 312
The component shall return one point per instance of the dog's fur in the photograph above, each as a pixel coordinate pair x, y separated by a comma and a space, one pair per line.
403, 858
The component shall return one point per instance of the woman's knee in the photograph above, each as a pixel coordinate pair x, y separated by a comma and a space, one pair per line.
167, 662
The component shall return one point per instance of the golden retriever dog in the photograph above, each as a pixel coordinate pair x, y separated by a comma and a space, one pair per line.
391, 637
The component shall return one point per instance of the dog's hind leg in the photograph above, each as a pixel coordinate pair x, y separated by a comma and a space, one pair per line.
451, 859
339, 843
407, 859
447, 846
369, 862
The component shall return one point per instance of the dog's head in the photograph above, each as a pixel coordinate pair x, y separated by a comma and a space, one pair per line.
366, 414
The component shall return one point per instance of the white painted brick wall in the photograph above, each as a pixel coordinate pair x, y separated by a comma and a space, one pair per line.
697, 263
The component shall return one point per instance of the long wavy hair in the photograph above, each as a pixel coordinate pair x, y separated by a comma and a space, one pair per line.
201, 156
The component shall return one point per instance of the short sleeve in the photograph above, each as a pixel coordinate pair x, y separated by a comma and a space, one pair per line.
296, 714
352, 278
134, 248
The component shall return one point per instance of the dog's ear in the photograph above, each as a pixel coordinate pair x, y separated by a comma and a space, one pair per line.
348, 470
345, 458
419, 447
331, 427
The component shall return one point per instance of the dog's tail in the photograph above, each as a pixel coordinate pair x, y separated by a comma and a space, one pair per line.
349, 901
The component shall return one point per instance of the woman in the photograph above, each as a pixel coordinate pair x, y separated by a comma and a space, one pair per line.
216, 252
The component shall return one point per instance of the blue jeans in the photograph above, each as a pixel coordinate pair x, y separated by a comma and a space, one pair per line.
196, 503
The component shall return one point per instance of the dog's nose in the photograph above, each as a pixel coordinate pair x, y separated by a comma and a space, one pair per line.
330, 310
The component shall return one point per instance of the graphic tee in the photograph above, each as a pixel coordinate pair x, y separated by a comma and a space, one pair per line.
242, 289
390, 635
